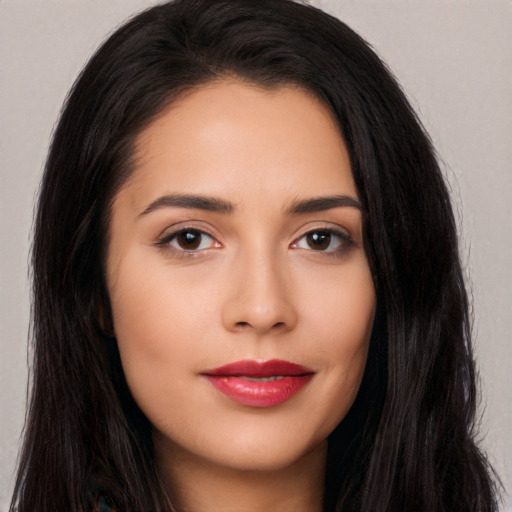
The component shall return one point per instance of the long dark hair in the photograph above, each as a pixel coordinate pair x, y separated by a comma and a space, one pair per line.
408, 441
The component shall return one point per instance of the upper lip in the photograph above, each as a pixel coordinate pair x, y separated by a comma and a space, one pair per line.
253, 368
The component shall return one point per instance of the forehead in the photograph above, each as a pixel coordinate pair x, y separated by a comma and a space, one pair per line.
230, 137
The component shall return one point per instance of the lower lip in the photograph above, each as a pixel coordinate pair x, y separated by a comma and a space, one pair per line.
259, 393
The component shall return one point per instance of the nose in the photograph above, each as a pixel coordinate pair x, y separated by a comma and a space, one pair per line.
259, 296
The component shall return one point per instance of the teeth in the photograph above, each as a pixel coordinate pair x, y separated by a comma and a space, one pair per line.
262, 379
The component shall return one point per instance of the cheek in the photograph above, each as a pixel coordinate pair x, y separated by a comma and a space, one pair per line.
341, 320
150, 304
340, 305
150, 319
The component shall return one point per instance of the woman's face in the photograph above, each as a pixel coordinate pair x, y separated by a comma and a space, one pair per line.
241, 295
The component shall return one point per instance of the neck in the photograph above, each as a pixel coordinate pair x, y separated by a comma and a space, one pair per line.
197, 485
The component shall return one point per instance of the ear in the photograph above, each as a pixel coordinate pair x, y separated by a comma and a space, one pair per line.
104, 313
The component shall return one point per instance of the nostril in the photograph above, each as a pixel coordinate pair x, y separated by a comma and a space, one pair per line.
245, 325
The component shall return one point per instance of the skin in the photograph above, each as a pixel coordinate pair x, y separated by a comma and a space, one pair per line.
255, 287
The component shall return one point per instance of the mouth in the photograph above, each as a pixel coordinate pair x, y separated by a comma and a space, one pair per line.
260, 383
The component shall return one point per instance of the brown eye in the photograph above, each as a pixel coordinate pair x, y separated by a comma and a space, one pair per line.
325, 241
189, 240
318, 240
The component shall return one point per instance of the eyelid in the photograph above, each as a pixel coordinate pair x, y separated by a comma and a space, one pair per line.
342, 234
164, 240
184, 224
346, 241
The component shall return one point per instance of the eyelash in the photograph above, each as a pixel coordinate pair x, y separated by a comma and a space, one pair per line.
344, 241
166, 241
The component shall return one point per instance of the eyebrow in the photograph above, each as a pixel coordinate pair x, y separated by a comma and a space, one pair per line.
214, 204
211, 204
319, 204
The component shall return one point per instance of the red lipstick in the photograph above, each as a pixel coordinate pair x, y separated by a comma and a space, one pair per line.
260, 383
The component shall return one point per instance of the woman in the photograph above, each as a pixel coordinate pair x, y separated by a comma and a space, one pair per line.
247, 287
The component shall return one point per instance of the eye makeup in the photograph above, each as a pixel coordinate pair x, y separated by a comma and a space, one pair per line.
187, 241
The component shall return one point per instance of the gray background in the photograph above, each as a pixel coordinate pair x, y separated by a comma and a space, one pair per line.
454, 59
